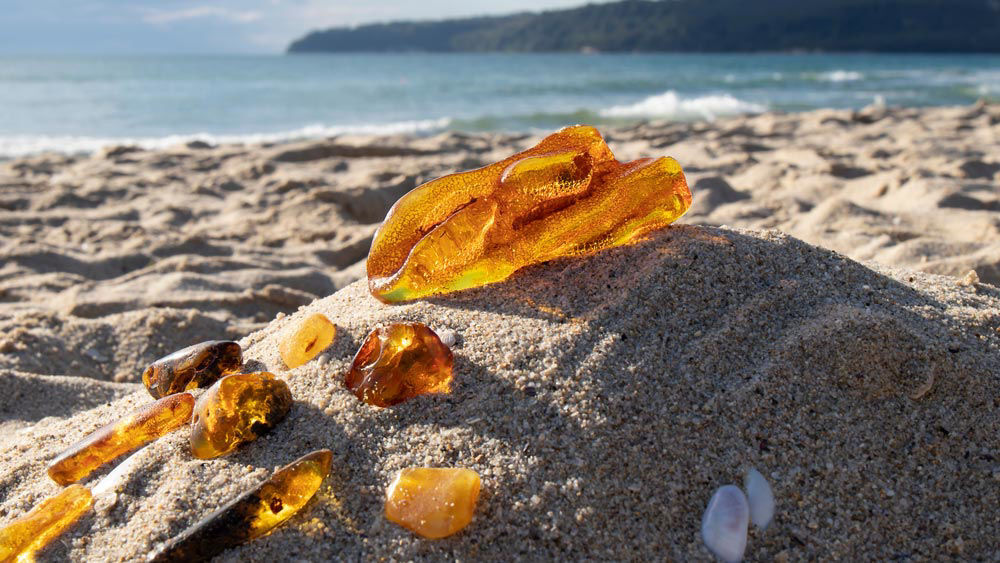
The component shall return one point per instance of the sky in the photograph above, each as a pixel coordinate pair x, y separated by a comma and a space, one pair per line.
211, 26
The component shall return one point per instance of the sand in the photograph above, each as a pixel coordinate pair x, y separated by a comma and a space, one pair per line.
601, 399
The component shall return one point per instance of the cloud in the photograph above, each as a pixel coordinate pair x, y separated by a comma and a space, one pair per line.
200, 12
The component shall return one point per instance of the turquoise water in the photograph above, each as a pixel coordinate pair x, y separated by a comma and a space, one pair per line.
78, 104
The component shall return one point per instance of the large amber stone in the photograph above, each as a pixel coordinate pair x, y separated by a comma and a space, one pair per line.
565, 196
253, 514
20, 539
306, 340
433, 502
195, 366
118, 438
237, 409
398, 362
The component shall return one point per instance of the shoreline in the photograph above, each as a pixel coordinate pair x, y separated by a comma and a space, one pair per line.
708, 108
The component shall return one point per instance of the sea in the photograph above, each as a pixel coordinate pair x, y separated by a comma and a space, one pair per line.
77, 104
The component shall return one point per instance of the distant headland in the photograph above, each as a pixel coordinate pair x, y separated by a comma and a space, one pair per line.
925, 26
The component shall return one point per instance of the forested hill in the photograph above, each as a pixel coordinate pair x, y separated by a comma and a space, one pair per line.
694, 25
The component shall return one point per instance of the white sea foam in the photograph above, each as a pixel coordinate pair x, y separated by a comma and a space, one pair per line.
670, 105
841, 76
13, 146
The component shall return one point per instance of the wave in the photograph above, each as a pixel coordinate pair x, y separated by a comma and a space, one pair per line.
670, 105
14, 146
667, 105
840, 76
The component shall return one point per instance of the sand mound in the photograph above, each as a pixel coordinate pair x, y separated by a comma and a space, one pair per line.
239, 234
602, 400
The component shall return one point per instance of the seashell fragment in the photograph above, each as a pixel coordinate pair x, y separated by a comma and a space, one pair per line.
115, 480
760, 498
724, 526
195, 366
306, 340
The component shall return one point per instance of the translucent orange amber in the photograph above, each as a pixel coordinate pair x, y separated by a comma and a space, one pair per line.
253, 514
237, 409
398, 362
195, 366
118, 438
565, 196
20, 539
432, 502
305, 341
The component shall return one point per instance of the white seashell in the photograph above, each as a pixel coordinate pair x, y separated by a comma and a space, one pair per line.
448, 337
724, 526
760, 497
116, 479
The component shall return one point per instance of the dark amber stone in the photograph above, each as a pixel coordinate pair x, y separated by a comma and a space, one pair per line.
566, 196
253, 514
20, 539
398, 362
195, 366
237, 409
118, 438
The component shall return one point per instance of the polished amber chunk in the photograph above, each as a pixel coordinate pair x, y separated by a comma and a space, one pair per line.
398, 362
20, 539
306, 340
253, 514
118, 438
195, 366
432, 502
236, 410
566, 196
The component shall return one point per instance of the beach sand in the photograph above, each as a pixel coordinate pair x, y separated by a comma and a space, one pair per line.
602, 399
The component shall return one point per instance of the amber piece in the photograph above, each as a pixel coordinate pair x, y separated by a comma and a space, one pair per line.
565, 196
237, 409
432, 502
306, 340
253, 514
399, 362
139, 428
195, 366
20, 539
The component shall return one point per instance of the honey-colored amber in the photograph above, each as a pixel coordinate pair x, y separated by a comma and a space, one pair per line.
432, 502
237, 409
305, 341
20, 539
398, 362
253, 514
195, 366
565, 196
118, 438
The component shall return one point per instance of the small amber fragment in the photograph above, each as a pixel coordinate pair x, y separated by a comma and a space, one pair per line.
305, 341
118, 438
398, 362
253, 514
236, 410
566, 196
195, 366
432, 502
20, 539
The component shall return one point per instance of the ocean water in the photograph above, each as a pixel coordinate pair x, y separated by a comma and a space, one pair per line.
78, 104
